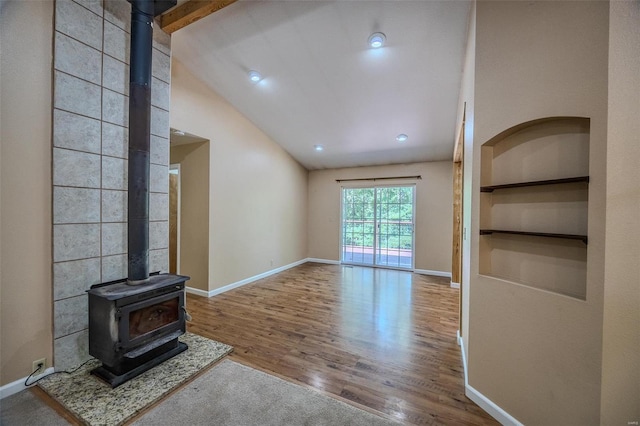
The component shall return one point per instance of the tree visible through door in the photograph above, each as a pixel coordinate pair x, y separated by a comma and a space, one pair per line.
377, 226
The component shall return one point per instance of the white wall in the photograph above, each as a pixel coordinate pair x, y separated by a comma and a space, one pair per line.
258, 192
26, 31
534, 353
467, 107
621, 358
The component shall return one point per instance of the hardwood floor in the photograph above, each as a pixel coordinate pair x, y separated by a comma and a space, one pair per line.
382, 339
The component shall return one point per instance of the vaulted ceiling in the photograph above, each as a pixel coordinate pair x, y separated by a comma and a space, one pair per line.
324, 85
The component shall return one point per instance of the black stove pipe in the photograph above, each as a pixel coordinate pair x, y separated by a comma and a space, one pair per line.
142, 13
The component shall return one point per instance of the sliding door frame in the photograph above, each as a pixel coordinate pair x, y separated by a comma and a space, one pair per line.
375, 228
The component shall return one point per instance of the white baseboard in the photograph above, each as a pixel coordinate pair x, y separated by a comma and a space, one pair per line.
240, 283
434, 273
197, 291
327, 261
455, 285
17, 386
464, 358
483, 402
490, 407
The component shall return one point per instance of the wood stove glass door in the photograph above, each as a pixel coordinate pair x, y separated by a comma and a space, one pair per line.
153, 317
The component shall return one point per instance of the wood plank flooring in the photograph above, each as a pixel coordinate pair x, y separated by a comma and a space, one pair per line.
382, 339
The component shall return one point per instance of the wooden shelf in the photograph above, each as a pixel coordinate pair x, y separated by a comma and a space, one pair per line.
582, 238
534, 177
578, 179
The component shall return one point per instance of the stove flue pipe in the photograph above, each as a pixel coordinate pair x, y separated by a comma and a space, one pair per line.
142, 13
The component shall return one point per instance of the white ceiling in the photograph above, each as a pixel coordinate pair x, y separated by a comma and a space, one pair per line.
324, 85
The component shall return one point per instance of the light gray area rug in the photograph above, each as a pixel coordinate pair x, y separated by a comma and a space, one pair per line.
233, 394
96, 403
26, 409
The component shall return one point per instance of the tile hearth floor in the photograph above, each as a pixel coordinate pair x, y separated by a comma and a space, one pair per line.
96, 403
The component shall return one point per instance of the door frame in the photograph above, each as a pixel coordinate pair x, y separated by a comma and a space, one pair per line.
458, 217
179, 207
375, 231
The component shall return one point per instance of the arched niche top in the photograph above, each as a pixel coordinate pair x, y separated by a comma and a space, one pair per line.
549, 123
534, 205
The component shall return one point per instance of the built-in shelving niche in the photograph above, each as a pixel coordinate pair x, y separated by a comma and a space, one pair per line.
534, 205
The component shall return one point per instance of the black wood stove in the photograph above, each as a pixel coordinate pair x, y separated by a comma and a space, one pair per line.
134, 323
135, 328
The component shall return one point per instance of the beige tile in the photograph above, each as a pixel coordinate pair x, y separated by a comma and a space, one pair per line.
73, 168
159, 178
76, 205
114, 206
161, 66
114, 173
72, 242
75, 277
118, 12
78, 22
115, 140
71, 351
158, 206
116, 42
93, 5
159, 122
161, 40
158, 235
114, 238
77, 59
115, 108
160, 94
115, 75
74, 131
75, 95
159, 260
70, 315
159, 150
114, 267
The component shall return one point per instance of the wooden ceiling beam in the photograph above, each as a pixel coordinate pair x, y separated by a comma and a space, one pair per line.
189, 12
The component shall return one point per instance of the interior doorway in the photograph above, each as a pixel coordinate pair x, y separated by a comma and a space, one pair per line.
378, 226
189, 236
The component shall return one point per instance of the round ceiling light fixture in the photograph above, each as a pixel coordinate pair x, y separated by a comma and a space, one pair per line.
402, 137
318, 147
255, 76
376, 40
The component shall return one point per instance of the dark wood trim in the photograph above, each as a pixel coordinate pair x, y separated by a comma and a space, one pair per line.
578, 179
418, 177
582, 238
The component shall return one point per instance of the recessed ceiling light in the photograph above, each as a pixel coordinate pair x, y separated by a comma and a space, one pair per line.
376, 40
177, 132
318, 147
402, 137
255, 76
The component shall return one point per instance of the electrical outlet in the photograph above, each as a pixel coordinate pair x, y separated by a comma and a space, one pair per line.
39, 366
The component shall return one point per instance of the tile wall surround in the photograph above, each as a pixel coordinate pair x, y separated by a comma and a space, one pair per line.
90, 149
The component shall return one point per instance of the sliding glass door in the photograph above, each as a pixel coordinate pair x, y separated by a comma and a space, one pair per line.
377, 226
